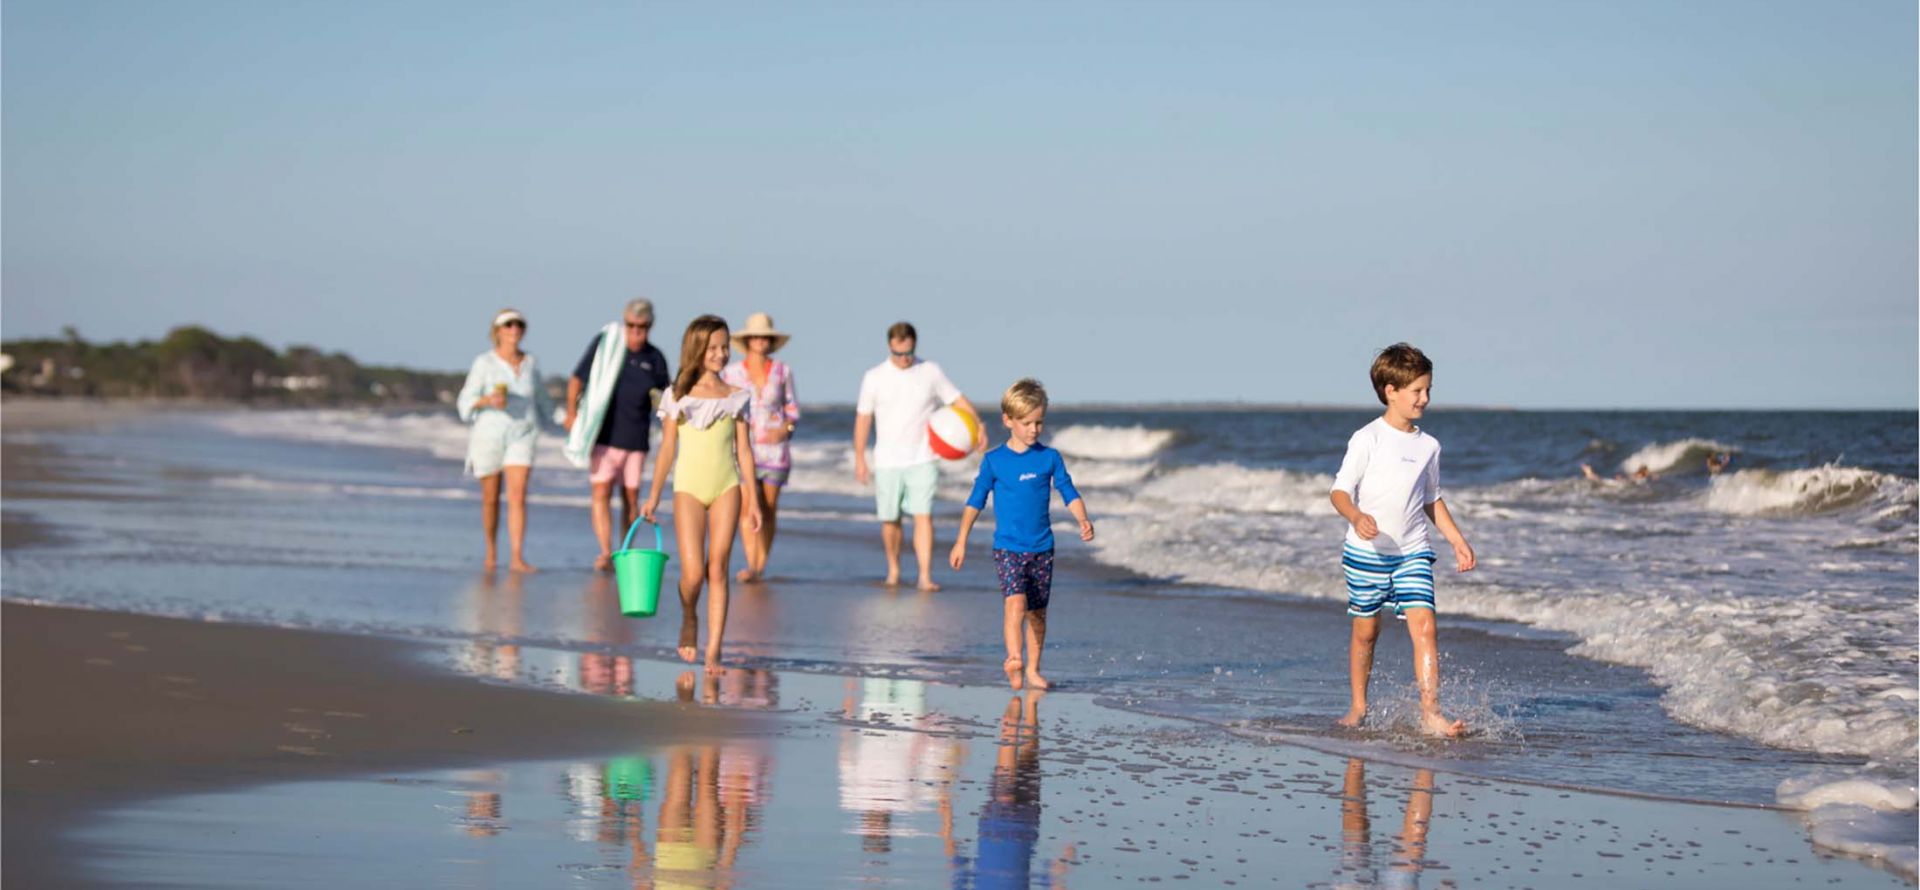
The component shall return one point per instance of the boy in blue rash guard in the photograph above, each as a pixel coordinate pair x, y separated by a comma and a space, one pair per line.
1021, 475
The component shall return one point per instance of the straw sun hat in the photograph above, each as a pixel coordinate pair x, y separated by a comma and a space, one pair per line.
759, 324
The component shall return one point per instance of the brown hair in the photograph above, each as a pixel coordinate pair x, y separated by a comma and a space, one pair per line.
1024, 397
493, 330
902, 331
693, 352
1397, 366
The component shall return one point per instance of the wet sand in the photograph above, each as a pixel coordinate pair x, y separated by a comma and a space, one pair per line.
143, 750
901, 783
104, 708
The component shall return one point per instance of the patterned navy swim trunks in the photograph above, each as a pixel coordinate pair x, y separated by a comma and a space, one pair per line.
1030, 574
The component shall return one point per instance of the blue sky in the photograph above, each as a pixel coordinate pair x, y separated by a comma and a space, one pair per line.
1574, 204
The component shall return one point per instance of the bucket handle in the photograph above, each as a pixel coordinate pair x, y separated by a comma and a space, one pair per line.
628, 542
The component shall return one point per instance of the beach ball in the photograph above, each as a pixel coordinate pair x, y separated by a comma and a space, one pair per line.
953, 432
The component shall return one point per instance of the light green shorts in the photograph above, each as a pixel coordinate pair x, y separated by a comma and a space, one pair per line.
908, 490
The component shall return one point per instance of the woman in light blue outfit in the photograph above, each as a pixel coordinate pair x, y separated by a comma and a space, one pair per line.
504, 401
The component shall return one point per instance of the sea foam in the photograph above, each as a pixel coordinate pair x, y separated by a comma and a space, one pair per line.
1685, 454
1805, 491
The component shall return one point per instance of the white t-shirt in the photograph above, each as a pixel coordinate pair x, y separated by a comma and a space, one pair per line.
1391, 476
901, 400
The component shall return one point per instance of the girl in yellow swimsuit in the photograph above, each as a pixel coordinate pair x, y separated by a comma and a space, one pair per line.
700, 418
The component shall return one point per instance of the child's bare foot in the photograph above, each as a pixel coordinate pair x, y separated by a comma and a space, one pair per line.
1436, 724
523, 567
926, 585
1035, 681
1353, 718
603, 562
747, 576
689, 637
1014, 668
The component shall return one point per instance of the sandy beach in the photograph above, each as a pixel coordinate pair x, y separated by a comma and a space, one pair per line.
435, 724
105, 708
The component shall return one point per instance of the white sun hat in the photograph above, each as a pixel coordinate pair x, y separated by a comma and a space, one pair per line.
759, 324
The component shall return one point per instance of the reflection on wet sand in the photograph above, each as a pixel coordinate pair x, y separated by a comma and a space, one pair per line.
711, 796
493, 610
1010, 820
482, 815
1359, 866
895, 764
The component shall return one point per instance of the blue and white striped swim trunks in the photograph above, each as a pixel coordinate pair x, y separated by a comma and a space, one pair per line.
1377, 580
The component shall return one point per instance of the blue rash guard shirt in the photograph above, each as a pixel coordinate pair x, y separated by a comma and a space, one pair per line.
1021, 482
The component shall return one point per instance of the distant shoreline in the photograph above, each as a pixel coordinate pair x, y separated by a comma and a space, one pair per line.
166, 402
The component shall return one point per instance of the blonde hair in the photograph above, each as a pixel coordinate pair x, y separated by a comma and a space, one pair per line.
1024, 397
493, 330
693, 352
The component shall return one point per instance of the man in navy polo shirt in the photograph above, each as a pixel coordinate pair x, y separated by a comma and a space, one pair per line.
621, 448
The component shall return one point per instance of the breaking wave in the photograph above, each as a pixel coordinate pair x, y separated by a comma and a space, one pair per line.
1805, 492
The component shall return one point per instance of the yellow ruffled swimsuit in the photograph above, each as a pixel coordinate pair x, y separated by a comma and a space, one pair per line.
705, 464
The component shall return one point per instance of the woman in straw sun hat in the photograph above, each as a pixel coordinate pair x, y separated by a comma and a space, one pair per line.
774, 413
504, 401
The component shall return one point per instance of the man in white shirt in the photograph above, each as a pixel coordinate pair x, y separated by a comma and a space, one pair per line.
897, 397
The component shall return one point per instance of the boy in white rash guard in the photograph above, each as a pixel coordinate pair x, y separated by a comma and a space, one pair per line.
1388, 490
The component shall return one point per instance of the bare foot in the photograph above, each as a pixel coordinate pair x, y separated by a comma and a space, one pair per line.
603, 563
893, 578
491, 560
1035, 681
712, 665
523, 567
1013, 668
689, 637
1436, 724
746, 576
926, 586
1353, 719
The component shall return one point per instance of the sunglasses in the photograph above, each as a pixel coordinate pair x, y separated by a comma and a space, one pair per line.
515, 323
898, 354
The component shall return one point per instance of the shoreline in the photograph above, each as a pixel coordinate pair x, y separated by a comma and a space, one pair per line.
45, 472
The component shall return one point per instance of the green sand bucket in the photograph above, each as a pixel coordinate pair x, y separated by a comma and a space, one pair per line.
629, 778
638, 574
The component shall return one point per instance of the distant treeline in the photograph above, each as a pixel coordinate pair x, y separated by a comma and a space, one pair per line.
195, 363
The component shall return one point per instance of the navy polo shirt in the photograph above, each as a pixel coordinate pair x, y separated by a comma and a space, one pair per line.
630, 412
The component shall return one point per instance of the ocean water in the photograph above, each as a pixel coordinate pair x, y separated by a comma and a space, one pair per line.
1637, 637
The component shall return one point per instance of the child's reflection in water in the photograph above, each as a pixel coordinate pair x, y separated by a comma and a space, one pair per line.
1357, 866
711, 798
1009, 826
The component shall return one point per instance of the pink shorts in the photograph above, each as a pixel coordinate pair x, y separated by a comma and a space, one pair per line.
609, 462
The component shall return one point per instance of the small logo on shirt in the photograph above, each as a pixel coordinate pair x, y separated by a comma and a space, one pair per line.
1029, 477
1409, 460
